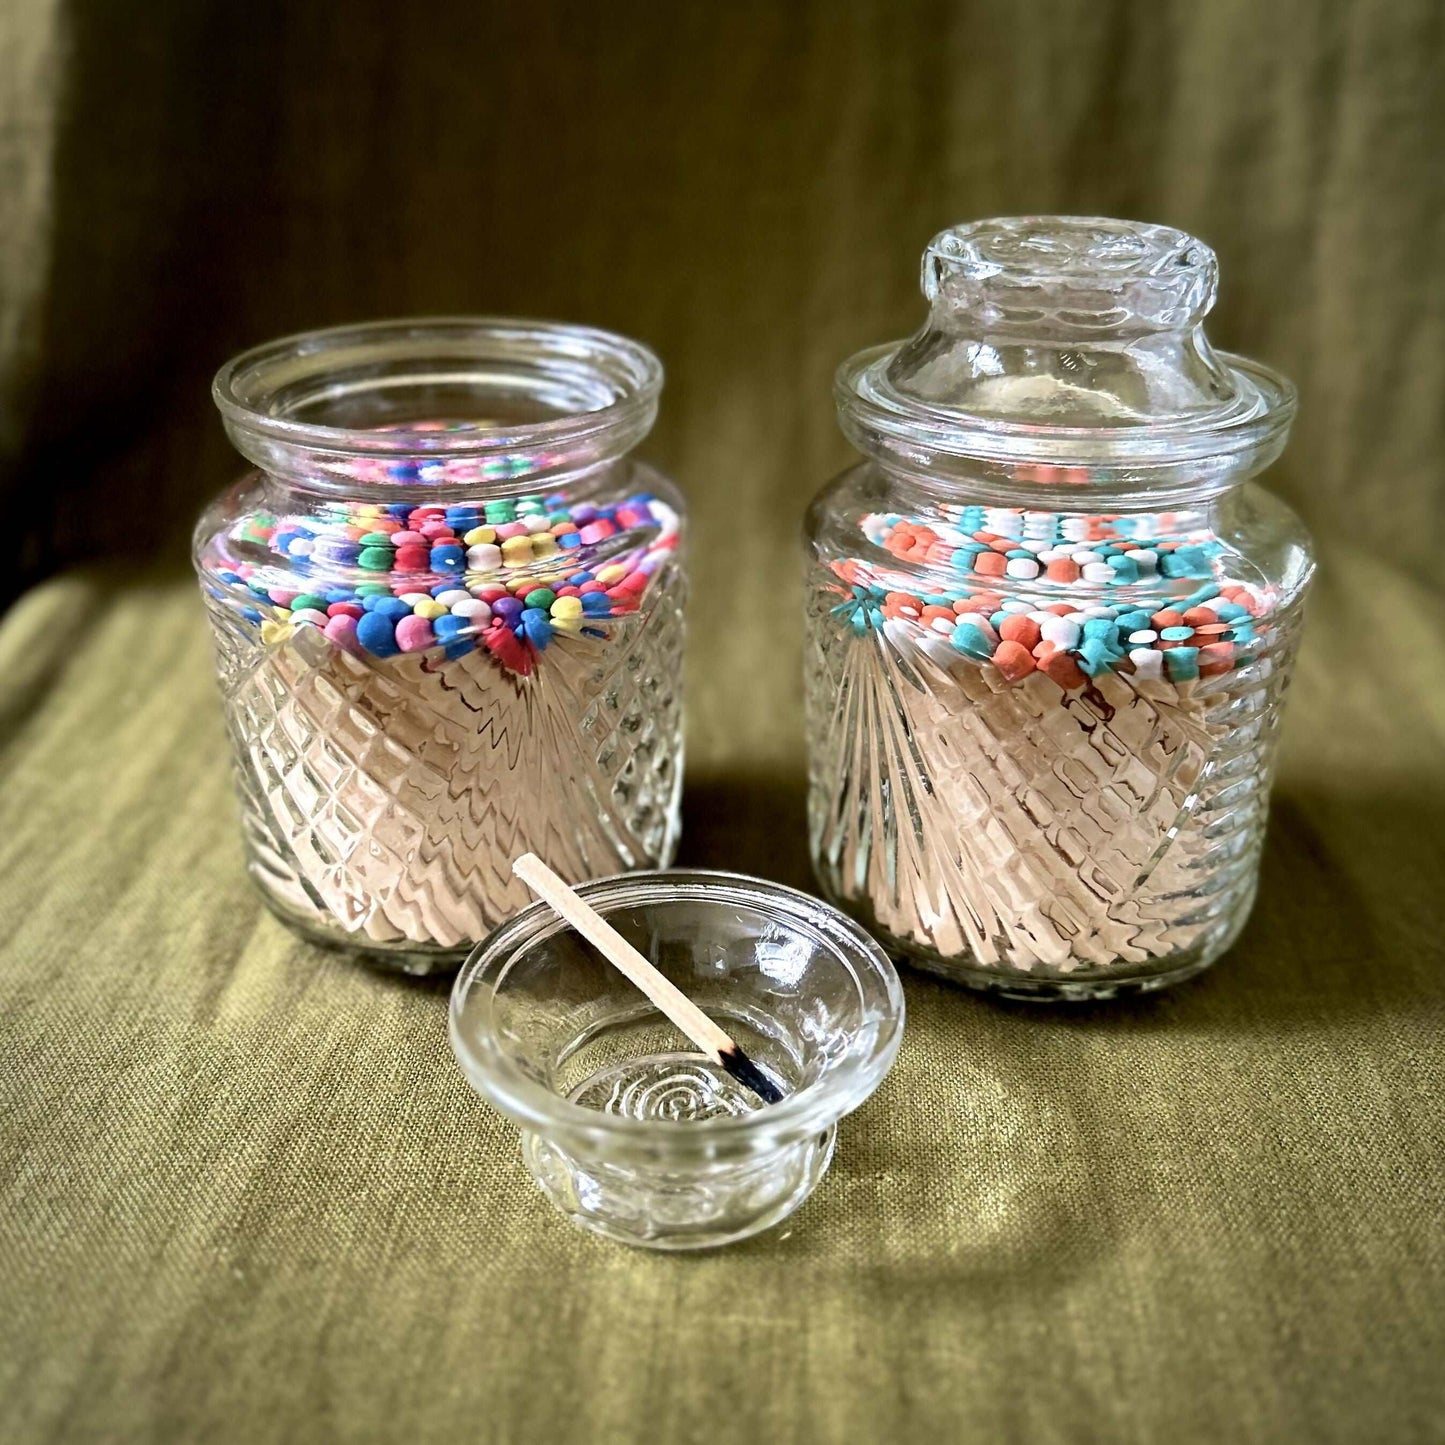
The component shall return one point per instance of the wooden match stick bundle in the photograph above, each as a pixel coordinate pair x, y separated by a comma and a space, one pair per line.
441, 808
1011, 857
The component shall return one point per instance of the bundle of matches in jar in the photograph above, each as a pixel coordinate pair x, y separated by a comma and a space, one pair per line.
1061, 744
408, 721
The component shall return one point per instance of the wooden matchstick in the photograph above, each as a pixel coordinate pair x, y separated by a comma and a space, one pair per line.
628, 961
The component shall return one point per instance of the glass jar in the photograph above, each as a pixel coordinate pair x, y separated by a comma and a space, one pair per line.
447, 612
1050, 619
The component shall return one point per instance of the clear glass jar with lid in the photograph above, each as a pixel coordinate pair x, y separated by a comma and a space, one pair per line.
447, 611
1051, 618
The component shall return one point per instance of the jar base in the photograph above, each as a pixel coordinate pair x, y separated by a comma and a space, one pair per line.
1082, 986
652, 1208
1024, 989
415, 960
655, 1213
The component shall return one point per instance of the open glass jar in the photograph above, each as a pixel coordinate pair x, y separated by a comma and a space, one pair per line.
1050, 619
447, 611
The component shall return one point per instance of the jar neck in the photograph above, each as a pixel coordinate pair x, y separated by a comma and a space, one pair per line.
439, 412
1045, 490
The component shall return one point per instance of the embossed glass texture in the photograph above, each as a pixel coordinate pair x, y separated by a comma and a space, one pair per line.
626, 1128
386, 785
1051, 619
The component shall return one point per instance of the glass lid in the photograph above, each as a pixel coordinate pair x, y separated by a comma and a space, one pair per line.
1067, 342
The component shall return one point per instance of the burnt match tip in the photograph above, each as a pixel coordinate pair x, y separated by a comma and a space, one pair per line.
749, 1075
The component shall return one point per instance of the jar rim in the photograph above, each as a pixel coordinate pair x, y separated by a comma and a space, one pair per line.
844, 1085
597, 382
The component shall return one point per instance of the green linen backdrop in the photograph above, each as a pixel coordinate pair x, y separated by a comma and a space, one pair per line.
244, 1192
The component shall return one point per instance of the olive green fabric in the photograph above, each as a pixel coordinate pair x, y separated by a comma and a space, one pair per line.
245, 1194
